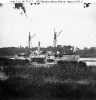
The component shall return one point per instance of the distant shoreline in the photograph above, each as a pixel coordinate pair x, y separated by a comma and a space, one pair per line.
6, 56
13, 57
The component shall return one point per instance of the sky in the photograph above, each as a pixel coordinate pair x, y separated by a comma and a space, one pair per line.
78, 25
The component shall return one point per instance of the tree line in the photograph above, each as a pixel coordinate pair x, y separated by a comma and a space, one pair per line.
85, 52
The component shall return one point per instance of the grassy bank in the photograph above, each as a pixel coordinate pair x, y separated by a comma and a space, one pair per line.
64, 81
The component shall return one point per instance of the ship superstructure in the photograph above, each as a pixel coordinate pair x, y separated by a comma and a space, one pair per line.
50, 57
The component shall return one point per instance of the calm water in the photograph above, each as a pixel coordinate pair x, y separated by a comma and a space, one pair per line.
89, 61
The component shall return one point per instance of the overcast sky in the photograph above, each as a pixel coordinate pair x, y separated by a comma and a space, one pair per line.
78, 25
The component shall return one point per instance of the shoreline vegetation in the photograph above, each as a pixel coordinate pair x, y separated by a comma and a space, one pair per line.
64, 81
84, 53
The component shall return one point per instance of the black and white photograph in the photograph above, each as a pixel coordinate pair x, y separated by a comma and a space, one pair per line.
48, 50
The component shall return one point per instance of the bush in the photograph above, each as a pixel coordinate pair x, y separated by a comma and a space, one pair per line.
48, 82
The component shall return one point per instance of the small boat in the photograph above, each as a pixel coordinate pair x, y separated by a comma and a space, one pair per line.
21, 56
67, 57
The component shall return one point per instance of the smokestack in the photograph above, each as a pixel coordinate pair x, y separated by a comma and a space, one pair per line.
39, 46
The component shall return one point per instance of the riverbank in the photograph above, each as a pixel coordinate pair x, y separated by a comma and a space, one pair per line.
64, 81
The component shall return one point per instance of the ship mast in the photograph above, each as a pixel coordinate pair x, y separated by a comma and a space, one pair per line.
55, 37
29, 41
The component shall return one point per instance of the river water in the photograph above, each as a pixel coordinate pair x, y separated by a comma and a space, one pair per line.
89, 61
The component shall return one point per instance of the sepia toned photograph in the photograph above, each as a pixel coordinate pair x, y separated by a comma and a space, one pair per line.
47, 50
